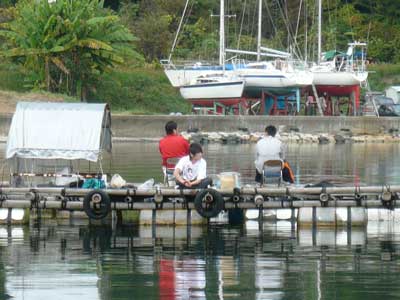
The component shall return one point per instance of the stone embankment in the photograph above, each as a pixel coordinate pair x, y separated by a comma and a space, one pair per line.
243, 137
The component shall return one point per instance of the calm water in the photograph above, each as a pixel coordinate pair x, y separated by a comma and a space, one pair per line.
54, 261
346, 164
342, 164
67, 262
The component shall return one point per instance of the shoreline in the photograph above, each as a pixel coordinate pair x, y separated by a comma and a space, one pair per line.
249, 138
247, 129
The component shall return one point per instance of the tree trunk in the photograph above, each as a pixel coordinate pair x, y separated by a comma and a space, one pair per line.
47, 73
83, 91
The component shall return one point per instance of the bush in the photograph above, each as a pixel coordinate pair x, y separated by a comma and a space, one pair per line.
13, 78
383, 75
142, 90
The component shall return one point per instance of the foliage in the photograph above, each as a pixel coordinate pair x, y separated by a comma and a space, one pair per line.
152, 30
155, 23
13, 77
142, 90
66, 43
82, 43
383, 75
134, 90
375, 21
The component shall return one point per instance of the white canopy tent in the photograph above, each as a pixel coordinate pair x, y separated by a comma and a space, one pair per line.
69, 131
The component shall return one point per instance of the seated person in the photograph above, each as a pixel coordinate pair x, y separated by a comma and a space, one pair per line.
172, 145
191, 170
271, 148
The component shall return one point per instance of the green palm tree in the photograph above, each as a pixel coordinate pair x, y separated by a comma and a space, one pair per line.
67, 43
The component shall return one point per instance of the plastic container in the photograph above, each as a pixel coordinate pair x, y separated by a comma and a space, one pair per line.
148, 184
229, 180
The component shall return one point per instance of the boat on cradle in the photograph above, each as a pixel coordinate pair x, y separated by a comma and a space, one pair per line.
185, 74
214, 86
277, 74
283, 72
342, 69
336, 68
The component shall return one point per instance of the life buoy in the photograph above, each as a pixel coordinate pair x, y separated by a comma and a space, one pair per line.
97, 204
208, 203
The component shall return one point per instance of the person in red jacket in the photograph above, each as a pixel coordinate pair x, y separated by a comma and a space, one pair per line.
172, 145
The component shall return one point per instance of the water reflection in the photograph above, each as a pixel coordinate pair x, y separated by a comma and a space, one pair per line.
250, 262
275, 261
343, 164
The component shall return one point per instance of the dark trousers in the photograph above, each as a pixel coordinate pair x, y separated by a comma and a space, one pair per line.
285, 176
202, 185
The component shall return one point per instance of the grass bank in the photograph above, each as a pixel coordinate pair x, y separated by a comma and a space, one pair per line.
144, 90
139, 91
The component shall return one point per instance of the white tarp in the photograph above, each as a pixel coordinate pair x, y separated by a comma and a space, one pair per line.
59, 131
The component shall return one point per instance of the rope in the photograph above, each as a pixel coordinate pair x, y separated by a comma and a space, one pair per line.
177, 32
186, 21
249, 46
298, 20
3, 163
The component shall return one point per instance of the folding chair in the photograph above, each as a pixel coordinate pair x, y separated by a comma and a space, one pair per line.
272, 169
168, 171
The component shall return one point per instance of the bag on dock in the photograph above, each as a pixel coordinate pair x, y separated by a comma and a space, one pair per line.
117, 181
94, 183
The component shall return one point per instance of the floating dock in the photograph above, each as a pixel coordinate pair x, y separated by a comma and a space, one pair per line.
317, 203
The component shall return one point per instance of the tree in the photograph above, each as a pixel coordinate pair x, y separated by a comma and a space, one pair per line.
67, 43
154, 37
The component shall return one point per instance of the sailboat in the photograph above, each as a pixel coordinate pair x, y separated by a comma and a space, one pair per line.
186, 75
340, 69
274, 74
213, 86
281, 73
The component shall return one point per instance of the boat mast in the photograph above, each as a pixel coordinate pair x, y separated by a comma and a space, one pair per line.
319, 29
222, 34
259, 30
177, 32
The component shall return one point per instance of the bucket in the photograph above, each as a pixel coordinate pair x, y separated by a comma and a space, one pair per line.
228, 180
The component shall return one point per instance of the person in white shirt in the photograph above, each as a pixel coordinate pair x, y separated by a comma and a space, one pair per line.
191, 170
270, 147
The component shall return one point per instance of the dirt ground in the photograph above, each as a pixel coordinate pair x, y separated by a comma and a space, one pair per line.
8, 100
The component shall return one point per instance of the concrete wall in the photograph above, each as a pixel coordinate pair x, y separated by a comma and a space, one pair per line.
153, 126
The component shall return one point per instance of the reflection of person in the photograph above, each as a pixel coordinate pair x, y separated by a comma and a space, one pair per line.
270, 147
172, 145
310, 105
322, 101
167, 284
191, 170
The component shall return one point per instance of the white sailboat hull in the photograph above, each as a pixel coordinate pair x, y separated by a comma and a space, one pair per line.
339, 78
182, 77
217, 90
276, 79
253, 78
